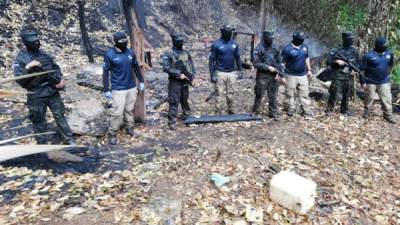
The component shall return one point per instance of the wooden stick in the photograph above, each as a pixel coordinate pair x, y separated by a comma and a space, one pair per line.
25, 76
23, 137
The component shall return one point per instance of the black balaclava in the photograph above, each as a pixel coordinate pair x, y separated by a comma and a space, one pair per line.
297, 41
226, 33
177, 40
380, 45
298, 38
268, 38
348, 39
31, 41
120, 40
32, 46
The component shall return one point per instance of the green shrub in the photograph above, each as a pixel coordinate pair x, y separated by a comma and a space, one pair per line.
396, 74
351, 17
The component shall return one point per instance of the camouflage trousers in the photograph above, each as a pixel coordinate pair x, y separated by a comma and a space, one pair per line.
337, 88
178, 93
37, 115
266, 83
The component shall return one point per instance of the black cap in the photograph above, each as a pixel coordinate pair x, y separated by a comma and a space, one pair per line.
30, 36
299, 35
348, 35
380, 42
119, 36
177, 36
269, 34
227, 28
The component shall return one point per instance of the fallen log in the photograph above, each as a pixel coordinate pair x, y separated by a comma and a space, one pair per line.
15, 151
221, 118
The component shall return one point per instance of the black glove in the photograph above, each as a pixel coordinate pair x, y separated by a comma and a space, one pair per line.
240, 75
214, 79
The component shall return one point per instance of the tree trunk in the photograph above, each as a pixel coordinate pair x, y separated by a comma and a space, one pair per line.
84, 33
376, 25
263, 16
138, 44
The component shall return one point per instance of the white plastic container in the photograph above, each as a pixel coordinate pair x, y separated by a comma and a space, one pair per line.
293, 191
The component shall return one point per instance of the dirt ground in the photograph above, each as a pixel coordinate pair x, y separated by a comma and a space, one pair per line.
353, 161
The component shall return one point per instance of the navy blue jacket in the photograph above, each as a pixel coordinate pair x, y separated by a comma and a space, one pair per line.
377, 67
295, 59
224, 56
121, 65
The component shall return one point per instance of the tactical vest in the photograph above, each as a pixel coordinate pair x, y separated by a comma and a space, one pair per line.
182, 56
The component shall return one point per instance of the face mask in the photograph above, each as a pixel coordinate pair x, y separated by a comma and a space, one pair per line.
380, 49
122, 45
268, 42
298, 42
177, 44
226, 35
348, 42
33, 46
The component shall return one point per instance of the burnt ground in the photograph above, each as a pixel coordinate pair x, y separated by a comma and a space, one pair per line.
353, 161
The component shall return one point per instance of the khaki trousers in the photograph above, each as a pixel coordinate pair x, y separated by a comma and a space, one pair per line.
299, 83
224, 88
123, 104
385, 94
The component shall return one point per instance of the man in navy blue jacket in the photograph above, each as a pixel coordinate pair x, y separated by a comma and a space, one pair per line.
223, 61
377, 65
122, 63
298, 68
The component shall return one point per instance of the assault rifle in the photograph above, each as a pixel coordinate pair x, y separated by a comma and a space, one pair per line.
182, 67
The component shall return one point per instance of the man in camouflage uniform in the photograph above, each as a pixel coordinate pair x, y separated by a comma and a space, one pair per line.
342, 74
267, 61
179, 65
43, 90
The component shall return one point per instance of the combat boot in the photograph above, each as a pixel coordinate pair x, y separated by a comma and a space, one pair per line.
70, 141
172, 126
366, 114
347, 113
274, 116
112, 139
131, 132
390, 119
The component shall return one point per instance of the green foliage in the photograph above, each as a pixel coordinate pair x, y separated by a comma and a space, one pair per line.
396, 74
394, 37
351, 17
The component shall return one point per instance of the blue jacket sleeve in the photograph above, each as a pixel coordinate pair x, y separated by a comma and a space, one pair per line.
106, 73
237, 59
284, 55
363, 66
136, 68
212, 60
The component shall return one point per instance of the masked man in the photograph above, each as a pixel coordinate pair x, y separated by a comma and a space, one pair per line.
122, 63
43, 90
342, 73
179, 65
377, 65
224, 60
267, 61
298, 68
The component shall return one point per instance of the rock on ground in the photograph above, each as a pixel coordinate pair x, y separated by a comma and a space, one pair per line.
89, 117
